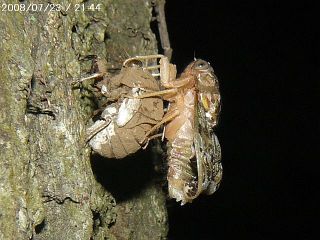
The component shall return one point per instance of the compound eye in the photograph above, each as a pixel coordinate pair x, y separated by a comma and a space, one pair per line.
201, 65
134, 63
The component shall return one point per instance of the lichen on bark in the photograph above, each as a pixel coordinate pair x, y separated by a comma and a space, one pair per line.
48, 188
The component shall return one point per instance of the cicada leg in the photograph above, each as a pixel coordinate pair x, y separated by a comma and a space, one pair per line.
95, 75
172, 89
164, 70
150, 138
157, 93
91, 132
167, 118
144, 59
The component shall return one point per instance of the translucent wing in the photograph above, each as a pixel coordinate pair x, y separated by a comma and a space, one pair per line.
206, 144
209, 167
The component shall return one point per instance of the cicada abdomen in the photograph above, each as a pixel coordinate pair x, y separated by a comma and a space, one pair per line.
181, 153
181, 174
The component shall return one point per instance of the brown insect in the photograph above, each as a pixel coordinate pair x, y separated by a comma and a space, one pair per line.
136, 112
194, 154
125, 121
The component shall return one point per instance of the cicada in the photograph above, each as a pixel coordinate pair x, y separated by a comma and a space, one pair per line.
194, 153
125, 120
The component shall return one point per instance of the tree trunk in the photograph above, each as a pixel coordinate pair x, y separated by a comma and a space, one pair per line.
50, 186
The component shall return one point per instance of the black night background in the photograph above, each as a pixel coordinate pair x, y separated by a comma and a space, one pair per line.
264, 56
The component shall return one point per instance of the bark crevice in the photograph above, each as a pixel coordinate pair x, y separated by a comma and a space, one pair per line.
48, 188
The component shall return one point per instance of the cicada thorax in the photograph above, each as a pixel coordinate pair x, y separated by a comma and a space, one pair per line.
126, 119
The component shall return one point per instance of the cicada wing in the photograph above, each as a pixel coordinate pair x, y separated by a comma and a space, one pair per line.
209, 168
206, 144
212, 165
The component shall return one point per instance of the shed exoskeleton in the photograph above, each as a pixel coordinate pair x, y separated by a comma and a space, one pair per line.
126, 119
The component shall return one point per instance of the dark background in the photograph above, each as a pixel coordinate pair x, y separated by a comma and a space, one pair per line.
265, 58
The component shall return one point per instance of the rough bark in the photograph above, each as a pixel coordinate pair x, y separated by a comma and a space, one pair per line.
50, 186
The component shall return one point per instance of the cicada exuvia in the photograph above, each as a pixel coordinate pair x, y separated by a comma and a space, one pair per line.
125, 120
194, 153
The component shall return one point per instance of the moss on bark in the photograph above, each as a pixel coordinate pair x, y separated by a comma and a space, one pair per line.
47, 187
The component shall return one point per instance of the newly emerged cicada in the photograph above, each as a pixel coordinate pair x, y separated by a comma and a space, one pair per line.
194, 153
124, 122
